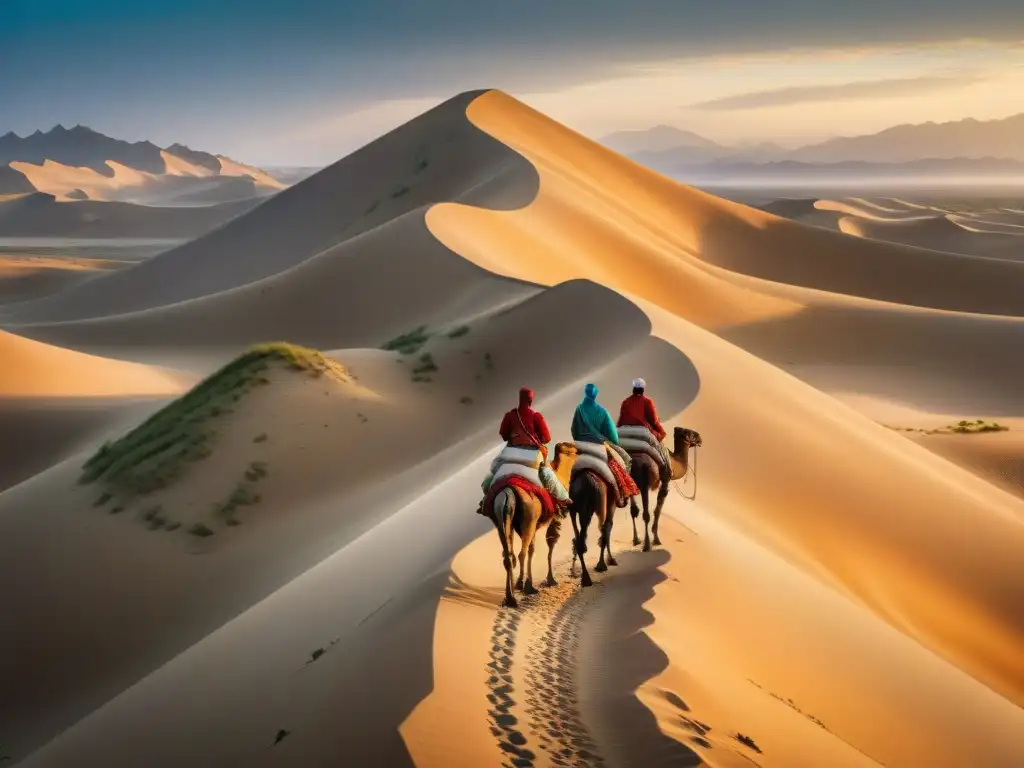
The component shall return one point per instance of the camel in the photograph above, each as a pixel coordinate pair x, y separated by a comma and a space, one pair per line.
645, 474
591, 495
520, 512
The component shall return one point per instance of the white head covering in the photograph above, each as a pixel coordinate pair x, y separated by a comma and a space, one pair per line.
639, 384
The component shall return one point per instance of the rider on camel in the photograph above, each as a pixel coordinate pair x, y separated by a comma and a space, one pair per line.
593, 424
638, 410
523, 427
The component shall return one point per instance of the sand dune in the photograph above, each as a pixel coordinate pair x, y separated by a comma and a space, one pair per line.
937, 233
127, 184
32, 369
42, 215
841, 593
29, 277
229, 167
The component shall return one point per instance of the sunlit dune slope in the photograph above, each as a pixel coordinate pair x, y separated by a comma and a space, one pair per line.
33, 369
938, 233
792, 496
630, 203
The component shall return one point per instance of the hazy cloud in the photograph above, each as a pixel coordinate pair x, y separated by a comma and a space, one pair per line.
863, 89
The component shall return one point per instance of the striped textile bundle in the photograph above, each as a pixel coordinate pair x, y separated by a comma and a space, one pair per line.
641, 446
637, 433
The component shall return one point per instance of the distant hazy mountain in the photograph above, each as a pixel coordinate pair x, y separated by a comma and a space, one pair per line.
659, 139
961, 139
734, 173
80, 147
80, 163
961, 147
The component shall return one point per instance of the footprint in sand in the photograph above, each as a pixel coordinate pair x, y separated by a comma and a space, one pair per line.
550, 706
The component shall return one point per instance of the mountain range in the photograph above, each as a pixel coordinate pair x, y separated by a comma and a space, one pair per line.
80, 163
961, 147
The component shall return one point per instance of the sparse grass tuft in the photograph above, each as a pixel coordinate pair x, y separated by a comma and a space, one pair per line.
262, 438
372, 207
256, 471
103, 499
422, 165
488, 361
455, 333
172, 526
466, 400
979, 425
963, 427
400, 192
281, 736
316, 654
748, 742
426, 364
409, 343
154, 454
200, 530
117, 510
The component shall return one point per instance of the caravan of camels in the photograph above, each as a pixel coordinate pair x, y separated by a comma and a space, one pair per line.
606, 467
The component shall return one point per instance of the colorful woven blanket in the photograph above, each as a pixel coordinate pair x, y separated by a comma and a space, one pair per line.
515, 481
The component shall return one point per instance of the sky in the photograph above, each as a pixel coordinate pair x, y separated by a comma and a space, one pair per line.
305, 82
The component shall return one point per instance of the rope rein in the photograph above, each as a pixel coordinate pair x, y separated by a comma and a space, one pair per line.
692, 470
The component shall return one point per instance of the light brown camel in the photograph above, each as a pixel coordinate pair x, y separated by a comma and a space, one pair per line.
646, 475
521, 512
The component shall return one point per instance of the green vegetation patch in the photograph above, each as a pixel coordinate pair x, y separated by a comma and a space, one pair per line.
155, 453
456, 333
409, 343
979, 425
963, 427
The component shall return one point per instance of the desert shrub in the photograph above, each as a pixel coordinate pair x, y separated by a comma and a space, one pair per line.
408, 343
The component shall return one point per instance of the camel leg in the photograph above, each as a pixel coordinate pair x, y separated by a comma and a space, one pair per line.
529, 589
602, 522
609, 524
634, 511
526, 556
552, 536
503, 522
579, 545
645, 498
662, 495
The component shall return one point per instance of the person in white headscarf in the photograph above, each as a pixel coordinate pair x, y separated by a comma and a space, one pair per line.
638, 410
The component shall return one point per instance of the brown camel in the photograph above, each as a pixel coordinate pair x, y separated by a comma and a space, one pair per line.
518, 511
591, 495
645, 473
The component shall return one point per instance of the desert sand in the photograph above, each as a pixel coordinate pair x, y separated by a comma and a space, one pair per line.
306, 583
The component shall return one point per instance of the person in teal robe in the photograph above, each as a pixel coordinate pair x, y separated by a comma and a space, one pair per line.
592, 423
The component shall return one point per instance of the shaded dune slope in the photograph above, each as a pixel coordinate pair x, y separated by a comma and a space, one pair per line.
39, 215
314, 511
331, 300
395, 174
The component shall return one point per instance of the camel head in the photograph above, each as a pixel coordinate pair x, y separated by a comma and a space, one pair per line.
683, 439
565, 458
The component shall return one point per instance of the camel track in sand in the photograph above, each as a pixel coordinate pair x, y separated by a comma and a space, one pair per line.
543, 726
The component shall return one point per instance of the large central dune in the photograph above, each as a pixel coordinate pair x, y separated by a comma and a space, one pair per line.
283, 566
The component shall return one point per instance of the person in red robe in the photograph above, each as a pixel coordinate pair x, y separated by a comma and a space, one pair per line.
523, 427
638, 410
